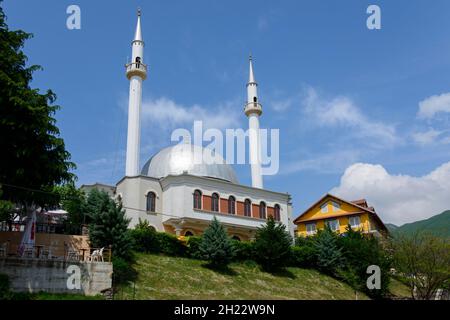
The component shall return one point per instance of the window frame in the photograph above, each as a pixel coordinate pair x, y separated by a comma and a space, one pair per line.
337, 224
215, 200
153, 204
197, 193
262, 214
354, 217
336, 206
324, 207
231, 204
308, 232
249, 203
277, 212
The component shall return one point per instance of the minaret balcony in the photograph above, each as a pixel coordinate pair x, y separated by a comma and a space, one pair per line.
253, 107
136, 69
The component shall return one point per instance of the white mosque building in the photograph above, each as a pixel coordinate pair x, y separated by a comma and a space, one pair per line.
181, 196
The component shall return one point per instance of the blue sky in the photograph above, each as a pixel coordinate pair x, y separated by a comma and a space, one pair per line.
362, 113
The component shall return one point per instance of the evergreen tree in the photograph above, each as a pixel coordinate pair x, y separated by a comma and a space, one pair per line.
216, 247
273, 245
108, 226
34, 158
329, 254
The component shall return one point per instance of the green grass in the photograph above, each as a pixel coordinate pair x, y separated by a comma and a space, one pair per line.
162, 277
399, 289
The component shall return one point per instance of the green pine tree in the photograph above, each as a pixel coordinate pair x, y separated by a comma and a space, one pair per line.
216, 247
108, 226
329, 254
273, 245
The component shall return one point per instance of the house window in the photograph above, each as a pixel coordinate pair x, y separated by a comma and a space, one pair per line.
231, 205
324, 207
247, 208
215, 202
262, 210
276, 212
197, 199
311, 228
333, 224
354, 221
336, 206
151, 201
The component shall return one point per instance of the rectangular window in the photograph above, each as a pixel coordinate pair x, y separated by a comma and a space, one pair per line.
355, 221
324, 207
333, 224
310, 228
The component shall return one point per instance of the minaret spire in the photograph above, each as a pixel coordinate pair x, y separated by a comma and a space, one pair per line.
251, 77
138, 33
253, 110
136, 72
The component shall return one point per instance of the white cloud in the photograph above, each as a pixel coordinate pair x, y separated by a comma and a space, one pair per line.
281, 105
341, 111
168, 114
397, 198
430, 106
427, 137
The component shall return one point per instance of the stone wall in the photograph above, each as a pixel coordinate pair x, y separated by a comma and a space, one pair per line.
34, 275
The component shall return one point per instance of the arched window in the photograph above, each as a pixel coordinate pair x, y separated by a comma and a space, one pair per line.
262, 210
231, 205
197, 199
151, 201
247, 208
255, 99
215, 202
188, 234
276, 212
236, 238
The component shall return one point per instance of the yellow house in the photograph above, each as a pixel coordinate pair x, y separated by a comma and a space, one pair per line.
338, 214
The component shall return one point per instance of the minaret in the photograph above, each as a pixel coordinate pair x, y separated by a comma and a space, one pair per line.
253, 110
136, 72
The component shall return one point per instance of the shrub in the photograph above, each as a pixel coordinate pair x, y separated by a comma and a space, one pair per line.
193, 247
145, 238
360, 251
272, 245
170, 245
244, 250
216, 246
303, 256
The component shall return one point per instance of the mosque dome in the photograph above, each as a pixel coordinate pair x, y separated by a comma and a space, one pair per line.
190, 159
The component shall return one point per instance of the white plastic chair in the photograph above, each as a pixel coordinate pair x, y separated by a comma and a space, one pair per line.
97, 255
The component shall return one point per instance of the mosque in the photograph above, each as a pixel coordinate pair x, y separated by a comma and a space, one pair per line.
181, 196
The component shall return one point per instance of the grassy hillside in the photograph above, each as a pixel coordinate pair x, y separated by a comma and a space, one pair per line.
438, 225
162, 277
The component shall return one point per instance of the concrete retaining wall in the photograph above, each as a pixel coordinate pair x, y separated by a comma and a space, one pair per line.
34, 275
